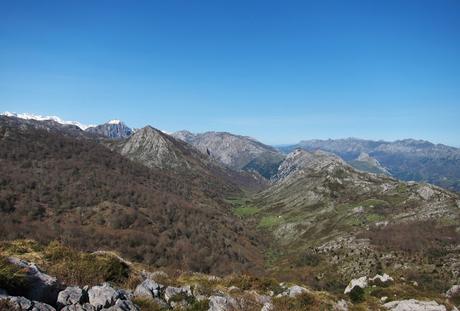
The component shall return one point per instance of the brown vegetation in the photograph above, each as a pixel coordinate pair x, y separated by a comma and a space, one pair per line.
425, 236
80, 192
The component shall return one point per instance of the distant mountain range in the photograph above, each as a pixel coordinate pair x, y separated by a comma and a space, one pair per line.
408, 159
36, 117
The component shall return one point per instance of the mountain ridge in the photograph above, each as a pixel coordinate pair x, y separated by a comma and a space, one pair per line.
407, 159
235, 151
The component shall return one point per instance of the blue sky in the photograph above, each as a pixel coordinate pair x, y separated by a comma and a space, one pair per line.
279, 71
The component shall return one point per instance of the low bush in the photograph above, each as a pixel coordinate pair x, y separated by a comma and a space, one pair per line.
147, 304
357, 294
12, 278
202, 305
308, 259
305, 301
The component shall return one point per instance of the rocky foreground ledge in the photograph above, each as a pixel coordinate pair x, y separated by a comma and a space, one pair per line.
142, 290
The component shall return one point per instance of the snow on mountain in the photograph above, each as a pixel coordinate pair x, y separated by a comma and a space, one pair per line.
114, 122
30, 116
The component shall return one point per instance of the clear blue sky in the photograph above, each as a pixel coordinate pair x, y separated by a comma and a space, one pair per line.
280, 71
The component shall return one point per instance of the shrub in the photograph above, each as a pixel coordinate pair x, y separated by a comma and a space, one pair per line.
202, 305
6, 305
147, 304
455, 299
305, 301
308, 259
357, 294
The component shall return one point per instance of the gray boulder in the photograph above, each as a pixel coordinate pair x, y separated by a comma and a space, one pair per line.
123, 305
180, 305
148, 289
22, 303
41, 286
414, 305
453, 291
78, 307
71, 296
361, 282
124, 294
341, 305
102, 296
296, 290
268, 306
171, 292
40, 306
222, 303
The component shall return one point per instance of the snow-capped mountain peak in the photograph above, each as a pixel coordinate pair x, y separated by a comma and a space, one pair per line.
31, 116
114, 122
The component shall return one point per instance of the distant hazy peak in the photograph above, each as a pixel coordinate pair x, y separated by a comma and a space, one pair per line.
31, 116
184, 135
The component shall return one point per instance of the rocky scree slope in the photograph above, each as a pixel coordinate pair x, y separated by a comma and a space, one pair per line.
53, 185
237, 152
338, 223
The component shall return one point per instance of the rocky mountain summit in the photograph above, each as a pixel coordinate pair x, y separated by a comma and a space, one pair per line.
155, 149
114, 129
236, 152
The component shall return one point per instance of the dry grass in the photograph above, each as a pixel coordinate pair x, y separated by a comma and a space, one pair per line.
305, 301
77, 268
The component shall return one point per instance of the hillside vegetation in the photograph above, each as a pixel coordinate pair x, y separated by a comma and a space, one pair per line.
77, 190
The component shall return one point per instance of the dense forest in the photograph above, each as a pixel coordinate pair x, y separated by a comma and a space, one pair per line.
78, 191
